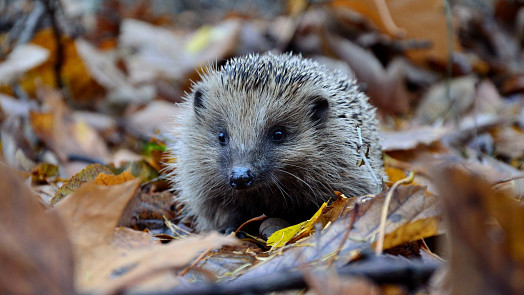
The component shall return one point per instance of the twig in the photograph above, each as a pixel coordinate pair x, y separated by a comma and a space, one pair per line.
199, 258
30, 24
51, 10
449, 67
384, 214
261, 217
507, 180
381, 270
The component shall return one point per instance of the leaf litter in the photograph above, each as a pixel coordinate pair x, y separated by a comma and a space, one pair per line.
83, 120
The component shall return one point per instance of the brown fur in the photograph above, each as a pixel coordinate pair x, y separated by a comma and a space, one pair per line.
246, 98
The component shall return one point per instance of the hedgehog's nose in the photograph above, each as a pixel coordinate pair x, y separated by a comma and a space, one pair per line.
241, 178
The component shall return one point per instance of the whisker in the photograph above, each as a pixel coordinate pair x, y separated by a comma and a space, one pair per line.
311, 197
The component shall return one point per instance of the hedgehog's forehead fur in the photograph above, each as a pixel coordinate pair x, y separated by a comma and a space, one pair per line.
258, 91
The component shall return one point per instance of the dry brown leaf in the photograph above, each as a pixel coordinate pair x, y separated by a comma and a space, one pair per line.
509, 142
104, 70
420, 20
92, 212
103, 265
160, 53
57, 127
485, 232
385, 86
149, 208
35, 252
411, 137
74, 74
156, 116
436, 105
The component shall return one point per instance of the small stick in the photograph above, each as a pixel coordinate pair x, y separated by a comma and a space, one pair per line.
200, 258
261, 217
384, 214
507, 180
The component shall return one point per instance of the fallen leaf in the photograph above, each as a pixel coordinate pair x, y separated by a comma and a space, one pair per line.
413, 19
92, 213
36, 254
83, 89
485, 233
156, 116
57, 127
20, 60
509, 142
85, 175
284, 236
437, 105
409, 204
411, 137
105, 72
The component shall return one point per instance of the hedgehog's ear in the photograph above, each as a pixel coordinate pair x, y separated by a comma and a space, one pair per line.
319, 110
198, 100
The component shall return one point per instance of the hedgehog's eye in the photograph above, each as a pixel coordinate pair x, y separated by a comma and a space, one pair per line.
278, 134
222, 137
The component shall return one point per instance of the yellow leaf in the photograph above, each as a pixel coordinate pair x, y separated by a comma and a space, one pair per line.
412, 231
200, 40
281, 237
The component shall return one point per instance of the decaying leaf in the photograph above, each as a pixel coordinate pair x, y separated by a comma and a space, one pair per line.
87, 174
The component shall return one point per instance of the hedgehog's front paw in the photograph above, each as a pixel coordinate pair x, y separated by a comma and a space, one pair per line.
228, 230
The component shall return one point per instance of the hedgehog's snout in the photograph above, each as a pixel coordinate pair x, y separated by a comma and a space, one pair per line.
241, 178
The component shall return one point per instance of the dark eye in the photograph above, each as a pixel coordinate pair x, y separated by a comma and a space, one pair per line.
278, 134
222, 137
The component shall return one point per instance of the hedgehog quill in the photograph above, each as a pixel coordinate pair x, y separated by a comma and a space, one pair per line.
271, 134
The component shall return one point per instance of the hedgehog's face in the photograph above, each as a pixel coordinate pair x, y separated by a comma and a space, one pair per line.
258, 140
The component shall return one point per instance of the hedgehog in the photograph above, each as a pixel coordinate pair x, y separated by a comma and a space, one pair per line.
272, 134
